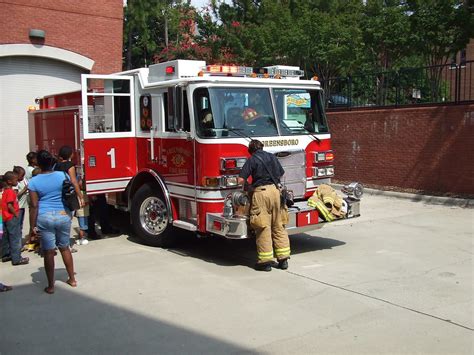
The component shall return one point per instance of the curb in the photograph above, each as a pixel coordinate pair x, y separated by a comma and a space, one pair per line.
436, 200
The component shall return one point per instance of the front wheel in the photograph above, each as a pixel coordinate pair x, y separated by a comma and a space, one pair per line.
150, 217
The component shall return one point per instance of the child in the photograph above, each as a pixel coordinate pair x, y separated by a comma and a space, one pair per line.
2, 186
11, 241
22, 193
33, 243
32, 164
3, 287
82, 215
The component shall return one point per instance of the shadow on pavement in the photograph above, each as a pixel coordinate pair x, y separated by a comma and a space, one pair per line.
226, 252
71, 323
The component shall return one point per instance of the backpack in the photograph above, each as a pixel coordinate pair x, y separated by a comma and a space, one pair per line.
69, 196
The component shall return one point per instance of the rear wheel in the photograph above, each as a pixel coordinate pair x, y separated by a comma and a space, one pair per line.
150, 217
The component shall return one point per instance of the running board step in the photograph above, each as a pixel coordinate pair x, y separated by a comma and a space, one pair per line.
185, 225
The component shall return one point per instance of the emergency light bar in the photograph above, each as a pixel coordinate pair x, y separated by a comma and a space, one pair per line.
180, 68
276, 71
227, 69
283, 70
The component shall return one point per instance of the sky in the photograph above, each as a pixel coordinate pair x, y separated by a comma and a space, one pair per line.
199, 3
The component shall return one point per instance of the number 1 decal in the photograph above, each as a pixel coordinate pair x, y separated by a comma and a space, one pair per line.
111, 153
308, 217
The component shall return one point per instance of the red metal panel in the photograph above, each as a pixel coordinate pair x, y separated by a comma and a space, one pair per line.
54, 129
208, 158
102, 150
307, 218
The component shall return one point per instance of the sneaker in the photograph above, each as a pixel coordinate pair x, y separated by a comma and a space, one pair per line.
23, 261
84, 241
283, 264
263, 267
6, 259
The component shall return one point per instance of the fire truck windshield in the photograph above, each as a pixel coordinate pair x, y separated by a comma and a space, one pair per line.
236, 112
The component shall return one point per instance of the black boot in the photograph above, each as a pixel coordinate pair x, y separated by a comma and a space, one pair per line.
263, 267
283, 264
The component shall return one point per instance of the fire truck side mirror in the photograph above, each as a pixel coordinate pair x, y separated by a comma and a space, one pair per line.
175, 108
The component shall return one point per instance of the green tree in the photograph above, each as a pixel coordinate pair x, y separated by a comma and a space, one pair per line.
441, 29
328, 37
147, 26
386, 33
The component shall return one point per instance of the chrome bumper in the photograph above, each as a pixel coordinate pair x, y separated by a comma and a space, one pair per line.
237, 227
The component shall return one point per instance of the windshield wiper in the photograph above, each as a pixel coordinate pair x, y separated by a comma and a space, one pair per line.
314, 136
239, 131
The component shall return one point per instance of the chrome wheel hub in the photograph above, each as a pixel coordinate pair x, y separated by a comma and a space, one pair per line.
153, 215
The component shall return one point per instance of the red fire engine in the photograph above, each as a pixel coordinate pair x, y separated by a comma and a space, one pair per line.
167, 142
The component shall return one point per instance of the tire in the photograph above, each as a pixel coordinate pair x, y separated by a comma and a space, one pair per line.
150, 217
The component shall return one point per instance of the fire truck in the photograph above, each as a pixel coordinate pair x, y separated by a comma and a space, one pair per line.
167, 142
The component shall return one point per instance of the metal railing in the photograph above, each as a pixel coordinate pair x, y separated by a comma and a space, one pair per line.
450, 83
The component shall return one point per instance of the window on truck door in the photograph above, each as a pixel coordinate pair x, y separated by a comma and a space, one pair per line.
109, 113
169, 119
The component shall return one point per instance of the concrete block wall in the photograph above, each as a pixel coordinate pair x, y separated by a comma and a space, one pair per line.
415, 149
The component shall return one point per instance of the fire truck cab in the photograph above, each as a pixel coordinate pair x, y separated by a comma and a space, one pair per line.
167, 143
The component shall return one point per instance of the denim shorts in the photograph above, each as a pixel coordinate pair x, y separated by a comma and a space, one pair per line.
54, 229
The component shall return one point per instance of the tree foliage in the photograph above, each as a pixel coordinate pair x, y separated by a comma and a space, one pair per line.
325, 37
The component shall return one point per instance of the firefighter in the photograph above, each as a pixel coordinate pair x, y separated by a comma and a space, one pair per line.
265, 210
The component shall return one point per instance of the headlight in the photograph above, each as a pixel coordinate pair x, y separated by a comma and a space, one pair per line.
330, 171
230, 181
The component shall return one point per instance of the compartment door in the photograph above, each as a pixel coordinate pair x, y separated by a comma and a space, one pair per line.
110, 147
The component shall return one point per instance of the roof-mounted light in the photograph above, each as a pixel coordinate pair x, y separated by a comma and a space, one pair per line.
276, 72
170, 70
227, 70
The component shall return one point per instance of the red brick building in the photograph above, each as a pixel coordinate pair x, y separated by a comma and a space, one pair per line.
45, 46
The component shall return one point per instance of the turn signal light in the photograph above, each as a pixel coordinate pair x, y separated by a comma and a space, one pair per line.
323, 156
211, 181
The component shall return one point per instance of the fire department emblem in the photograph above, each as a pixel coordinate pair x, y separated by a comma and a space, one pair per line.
178, 160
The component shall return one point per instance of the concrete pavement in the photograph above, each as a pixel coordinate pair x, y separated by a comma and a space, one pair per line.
399, 279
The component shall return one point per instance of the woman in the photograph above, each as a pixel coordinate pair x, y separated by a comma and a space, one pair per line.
50, 219
65, 164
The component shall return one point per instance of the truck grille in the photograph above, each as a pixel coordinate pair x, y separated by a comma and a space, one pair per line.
294, 163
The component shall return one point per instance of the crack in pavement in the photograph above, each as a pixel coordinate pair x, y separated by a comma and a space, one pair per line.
382, 300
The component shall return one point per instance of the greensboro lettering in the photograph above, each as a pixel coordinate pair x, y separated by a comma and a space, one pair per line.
279, 143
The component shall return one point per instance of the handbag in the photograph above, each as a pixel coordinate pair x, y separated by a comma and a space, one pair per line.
69, 196
286, 196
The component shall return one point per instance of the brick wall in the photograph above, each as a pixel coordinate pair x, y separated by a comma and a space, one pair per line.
425, 149
88, 27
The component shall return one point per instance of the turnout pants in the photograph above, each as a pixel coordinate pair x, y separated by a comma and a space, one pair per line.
265, 219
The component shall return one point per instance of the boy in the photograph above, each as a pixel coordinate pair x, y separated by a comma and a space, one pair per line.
11, 241
3, 287
82, 215
22, 193
32, 164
